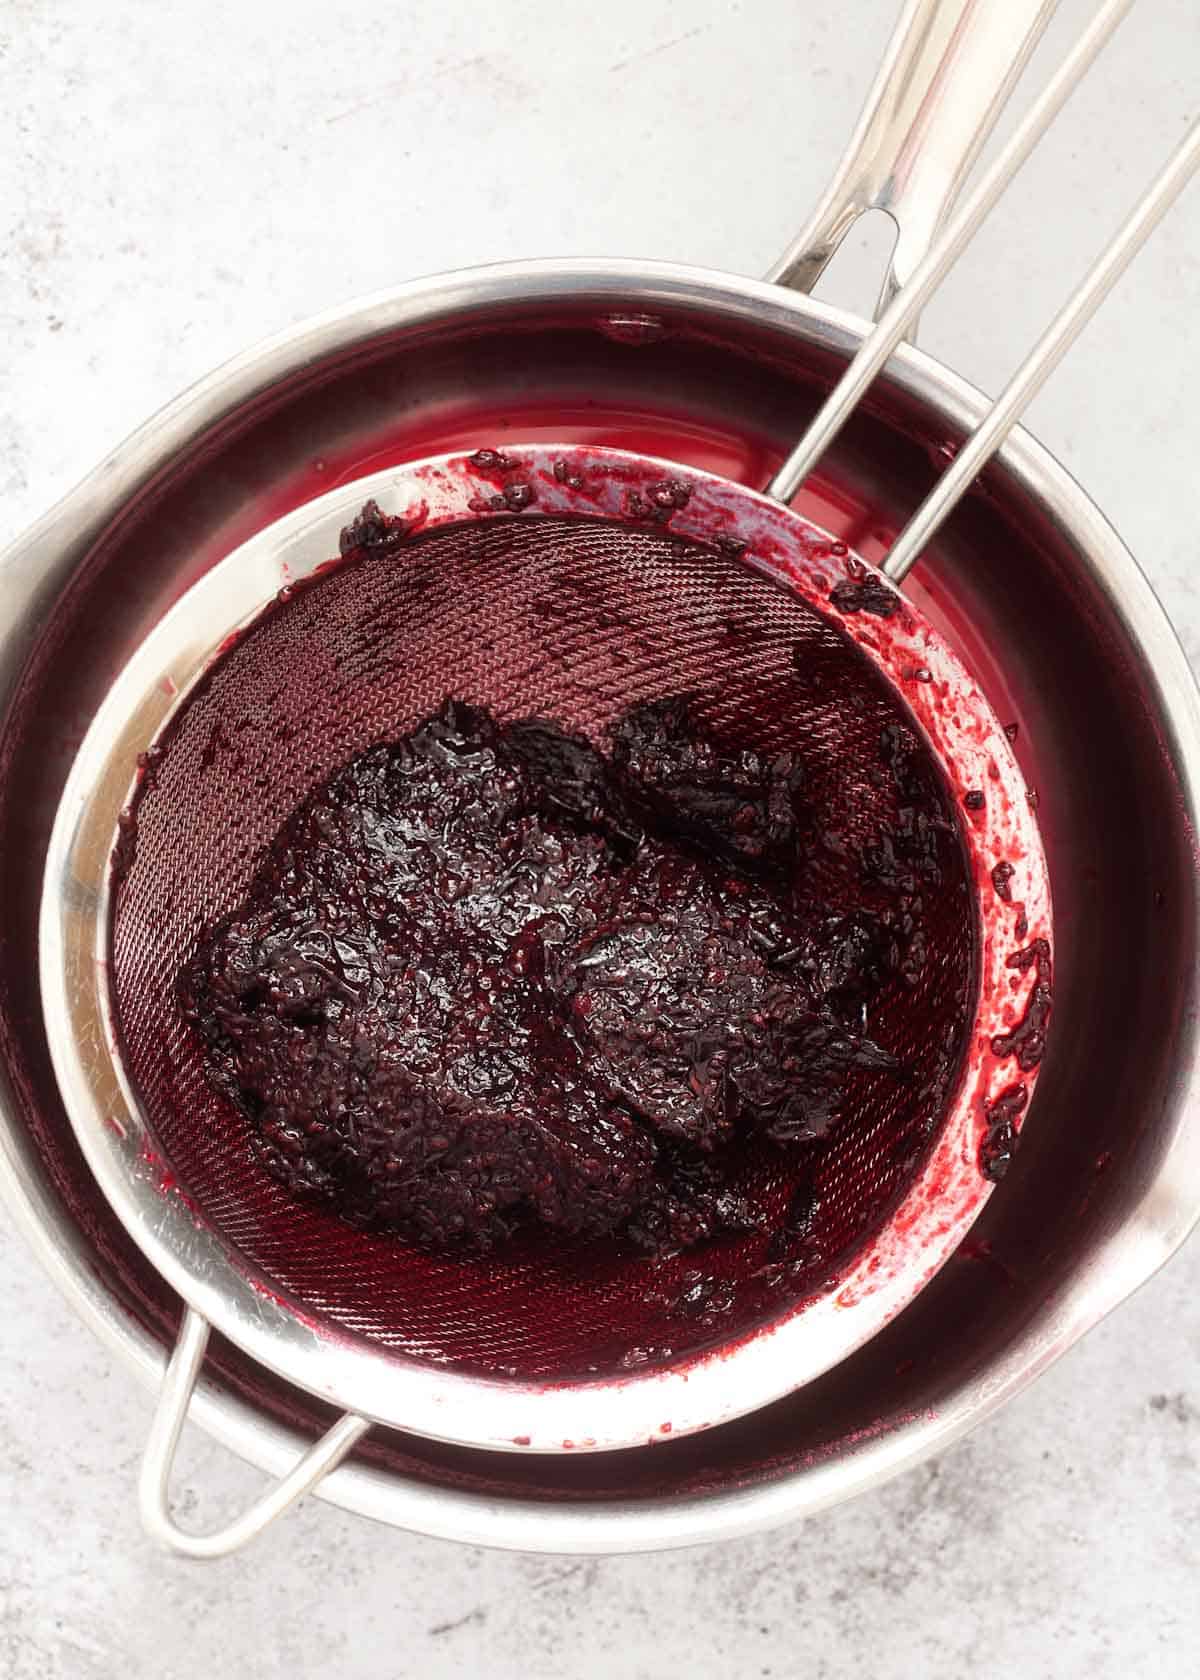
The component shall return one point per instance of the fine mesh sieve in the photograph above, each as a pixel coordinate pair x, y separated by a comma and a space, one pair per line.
306, 1298
570, 609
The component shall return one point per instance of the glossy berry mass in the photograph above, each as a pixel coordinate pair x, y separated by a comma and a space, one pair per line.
490, 975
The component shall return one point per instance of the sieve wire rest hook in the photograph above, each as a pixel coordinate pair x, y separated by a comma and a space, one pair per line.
174, 1397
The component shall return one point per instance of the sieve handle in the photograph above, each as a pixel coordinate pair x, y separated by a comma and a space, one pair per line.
902, 311
985, 440
948, 70
159, 1459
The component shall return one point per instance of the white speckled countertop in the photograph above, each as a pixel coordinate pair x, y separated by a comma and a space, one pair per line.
177, 180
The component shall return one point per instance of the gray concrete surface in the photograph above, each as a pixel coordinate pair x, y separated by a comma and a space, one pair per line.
176, 181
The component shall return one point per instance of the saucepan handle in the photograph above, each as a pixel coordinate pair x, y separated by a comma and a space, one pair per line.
153, 1487
947, 72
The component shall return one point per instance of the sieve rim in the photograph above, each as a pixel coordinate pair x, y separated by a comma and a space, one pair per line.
617, 1412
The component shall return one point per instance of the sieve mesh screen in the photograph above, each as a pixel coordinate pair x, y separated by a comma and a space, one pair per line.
576, 620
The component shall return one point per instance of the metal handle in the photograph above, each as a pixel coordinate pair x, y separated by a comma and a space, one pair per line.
936, 264
159, 1459
1045, 356
945, 77
1050, 348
